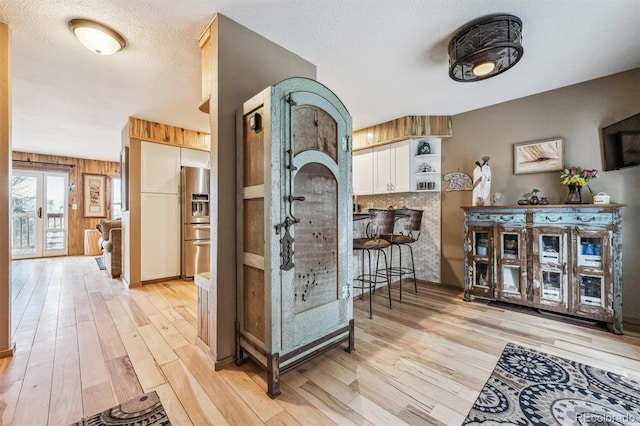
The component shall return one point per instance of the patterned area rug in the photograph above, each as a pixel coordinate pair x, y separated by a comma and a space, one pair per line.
100, 263
145, 410
528, 387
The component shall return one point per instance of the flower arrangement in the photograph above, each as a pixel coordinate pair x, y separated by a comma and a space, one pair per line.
577, 176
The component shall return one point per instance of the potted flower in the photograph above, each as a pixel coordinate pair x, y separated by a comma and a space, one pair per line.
575, 178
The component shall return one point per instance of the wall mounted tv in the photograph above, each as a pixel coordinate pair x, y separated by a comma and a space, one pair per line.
621, 144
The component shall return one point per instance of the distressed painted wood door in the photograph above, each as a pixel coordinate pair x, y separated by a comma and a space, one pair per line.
315, 185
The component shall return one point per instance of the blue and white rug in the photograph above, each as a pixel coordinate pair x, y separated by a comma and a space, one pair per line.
528, 387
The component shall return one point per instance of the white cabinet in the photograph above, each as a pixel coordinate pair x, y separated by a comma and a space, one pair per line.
195, 158
159, 236
363, 172
392, 168
426, 165
160, 168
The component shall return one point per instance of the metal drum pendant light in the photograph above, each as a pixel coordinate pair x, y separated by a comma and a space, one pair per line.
485, 47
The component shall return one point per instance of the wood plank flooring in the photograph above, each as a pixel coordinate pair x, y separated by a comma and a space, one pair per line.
86, 343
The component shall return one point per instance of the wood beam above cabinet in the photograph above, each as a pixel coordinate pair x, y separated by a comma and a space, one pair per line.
169, 135
410, 126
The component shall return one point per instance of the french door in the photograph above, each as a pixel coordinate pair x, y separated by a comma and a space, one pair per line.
39, 217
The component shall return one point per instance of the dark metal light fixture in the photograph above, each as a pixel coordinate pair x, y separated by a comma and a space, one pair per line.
485, 47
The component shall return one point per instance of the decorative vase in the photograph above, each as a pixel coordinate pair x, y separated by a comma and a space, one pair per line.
574, 197
534, 200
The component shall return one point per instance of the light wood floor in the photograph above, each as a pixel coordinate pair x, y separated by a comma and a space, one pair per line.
85, 343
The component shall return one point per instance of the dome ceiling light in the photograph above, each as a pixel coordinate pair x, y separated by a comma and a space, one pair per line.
485, 47
97, 37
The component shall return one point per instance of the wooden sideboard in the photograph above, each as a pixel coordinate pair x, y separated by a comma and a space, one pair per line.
559, 258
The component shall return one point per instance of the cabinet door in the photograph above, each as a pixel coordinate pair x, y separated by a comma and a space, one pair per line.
401, 166
511, 282
363, 172
159, 236
550, 285
592, 291
195, 158
480, 262
382, 169
160, 168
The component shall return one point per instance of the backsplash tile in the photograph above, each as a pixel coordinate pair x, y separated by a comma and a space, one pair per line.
426, 250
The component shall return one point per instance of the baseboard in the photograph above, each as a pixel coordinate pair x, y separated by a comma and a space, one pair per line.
8, 352
228, 361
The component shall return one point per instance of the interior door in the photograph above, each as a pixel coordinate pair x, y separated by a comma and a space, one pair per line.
39, 214
317, 192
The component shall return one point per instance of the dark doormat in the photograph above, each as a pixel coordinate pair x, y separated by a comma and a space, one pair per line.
146, 410
100, 263
599, 325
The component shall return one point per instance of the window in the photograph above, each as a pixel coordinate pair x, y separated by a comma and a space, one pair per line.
116, 199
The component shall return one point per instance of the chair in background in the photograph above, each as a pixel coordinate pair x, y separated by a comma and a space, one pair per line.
381, 222
412, 224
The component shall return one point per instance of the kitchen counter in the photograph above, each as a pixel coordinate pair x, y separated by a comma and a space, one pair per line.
203, 280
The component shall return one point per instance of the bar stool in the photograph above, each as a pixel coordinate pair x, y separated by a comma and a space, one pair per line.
380, 222
412, 224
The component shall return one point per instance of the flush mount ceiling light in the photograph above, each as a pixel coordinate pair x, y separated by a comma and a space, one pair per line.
485, 47
97, 37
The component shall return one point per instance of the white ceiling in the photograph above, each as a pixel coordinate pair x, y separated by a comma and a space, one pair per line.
383, 58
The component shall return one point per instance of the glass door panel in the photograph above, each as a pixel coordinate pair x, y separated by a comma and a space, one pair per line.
591, 290
552, 286
589, 254
55, 224
510, 246
511, 278
481, 243
25, 205
38, 214
550, 249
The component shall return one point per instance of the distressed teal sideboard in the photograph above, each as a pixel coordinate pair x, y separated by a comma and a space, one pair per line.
560, 258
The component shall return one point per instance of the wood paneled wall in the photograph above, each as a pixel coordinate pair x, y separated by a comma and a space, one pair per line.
166, 134
406, 127
75, 167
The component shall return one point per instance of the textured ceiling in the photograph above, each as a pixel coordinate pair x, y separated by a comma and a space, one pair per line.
383, 58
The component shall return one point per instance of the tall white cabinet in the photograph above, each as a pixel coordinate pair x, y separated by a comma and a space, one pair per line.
160, 210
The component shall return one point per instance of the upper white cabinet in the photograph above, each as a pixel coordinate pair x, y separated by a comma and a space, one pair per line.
363, 172
160, 168
392, 168
195, 158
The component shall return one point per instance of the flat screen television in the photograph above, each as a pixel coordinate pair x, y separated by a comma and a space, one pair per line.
621, 144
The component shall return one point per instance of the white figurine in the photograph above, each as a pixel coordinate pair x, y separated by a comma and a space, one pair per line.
481, 183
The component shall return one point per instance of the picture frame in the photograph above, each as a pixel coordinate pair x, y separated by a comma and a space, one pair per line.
538, 156
94, 192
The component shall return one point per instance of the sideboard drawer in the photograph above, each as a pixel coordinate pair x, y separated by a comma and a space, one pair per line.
574, 218
497, 217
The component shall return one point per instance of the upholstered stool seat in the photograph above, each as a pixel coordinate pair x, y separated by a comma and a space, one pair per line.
369, 243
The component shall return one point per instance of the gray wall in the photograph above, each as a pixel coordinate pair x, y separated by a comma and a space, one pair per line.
243, 63
576, 113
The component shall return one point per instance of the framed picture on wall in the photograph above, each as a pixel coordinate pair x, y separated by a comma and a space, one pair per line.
94, 195
538, 156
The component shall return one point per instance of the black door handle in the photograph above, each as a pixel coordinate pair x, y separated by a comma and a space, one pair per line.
292, 198
40, 212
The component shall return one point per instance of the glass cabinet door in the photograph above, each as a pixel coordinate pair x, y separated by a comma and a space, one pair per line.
550, 268
480, 261
511, 282
592, 283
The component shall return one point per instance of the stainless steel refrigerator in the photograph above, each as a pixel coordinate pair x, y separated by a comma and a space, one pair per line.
196, 229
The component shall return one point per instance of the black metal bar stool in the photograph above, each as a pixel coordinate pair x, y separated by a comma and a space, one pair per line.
412, 224
380, 223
